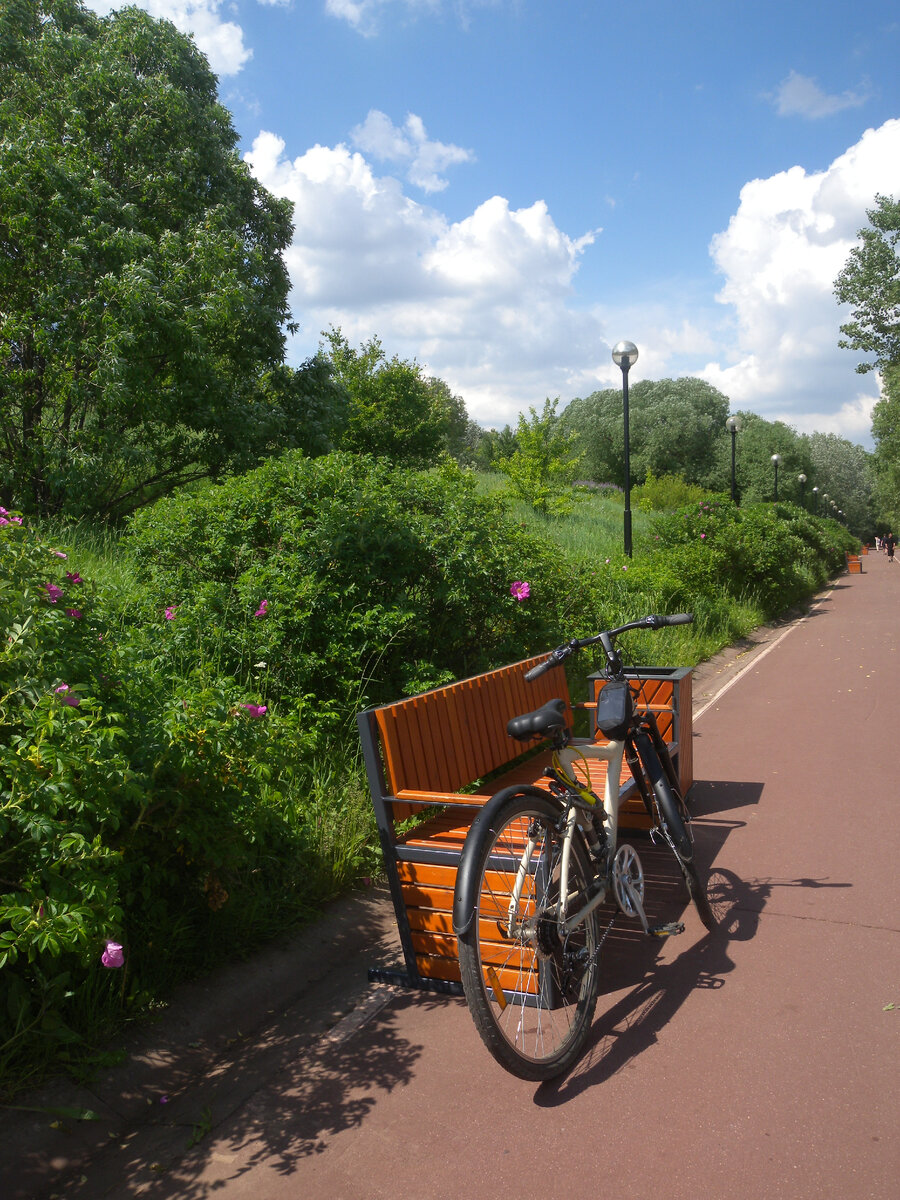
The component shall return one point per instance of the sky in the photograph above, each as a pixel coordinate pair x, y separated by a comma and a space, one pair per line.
501, 190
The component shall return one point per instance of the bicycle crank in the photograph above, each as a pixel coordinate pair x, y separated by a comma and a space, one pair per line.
628, 889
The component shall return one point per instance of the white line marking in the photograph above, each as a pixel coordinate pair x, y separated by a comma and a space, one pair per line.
762, 654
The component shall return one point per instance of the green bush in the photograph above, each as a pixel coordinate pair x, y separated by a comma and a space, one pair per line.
145, 800
350, 580
665, 492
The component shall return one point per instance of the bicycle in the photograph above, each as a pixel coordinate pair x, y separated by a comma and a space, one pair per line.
537, 864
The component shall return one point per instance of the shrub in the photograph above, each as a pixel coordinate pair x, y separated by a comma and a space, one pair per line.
144, 800
660, 494
351, 580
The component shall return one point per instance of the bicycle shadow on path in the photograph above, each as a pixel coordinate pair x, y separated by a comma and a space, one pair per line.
634, 1023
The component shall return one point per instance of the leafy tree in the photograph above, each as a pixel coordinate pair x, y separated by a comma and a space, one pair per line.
308, 407
757, 441
542, 467
394, 412
492, 446
462, 435
144, 293
886, 460
870, 281
846, 472
676, 427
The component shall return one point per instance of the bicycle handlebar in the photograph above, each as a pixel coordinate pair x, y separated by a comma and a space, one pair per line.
561, 653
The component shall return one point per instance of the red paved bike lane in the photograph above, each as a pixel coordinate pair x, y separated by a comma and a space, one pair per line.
758, 1061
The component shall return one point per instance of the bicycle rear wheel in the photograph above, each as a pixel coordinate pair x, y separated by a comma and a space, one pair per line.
531, 990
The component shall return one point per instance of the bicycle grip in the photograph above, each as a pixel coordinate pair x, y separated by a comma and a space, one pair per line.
678, 619
539, 670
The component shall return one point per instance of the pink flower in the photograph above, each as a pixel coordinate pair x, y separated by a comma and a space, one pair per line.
261, 611
520, 590
53, 592
3, 521
74, 613
170, 612
67, 697
74, 577
255, 710
59, 554
113, 956
625, 568
702, 535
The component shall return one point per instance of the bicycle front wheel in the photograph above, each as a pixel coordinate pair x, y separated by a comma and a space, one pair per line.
531, 989
675, 825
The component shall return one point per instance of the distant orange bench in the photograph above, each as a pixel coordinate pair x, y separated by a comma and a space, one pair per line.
443, 754
854, 563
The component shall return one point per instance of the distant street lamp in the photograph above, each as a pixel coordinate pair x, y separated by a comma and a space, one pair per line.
802, 479
776, 459
733, 425
815, 492
625, 355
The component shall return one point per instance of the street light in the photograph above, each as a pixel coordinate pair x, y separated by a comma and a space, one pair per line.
733, 425
625, 355
802, 479
815, 492
776, 459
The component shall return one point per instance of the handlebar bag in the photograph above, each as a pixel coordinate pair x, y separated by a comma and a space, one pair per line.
615, 708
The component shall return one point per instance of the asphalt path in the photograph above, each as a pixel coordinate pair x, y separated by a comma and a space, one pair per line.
760, 1060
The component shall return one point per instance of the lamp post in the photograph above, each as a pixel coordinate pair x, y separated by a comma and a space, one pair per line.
815, 493
625, 355
802, 479
733, 425
776, 459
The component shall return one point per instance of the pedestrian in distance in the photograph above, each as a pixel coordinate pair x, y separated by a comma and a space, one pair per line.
890, 543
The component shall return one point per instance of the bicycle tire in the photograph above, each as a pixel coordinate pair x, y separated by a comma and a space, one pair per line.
698, 894
675, 820
676, 831
532, 995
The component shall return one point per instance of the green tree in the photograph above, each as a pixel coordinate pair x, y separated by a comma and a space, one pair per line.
461, 434
542, 467
886, 460
846, 472
308, 407
143, 289
676, 427
870, 281
757, 441
394, 412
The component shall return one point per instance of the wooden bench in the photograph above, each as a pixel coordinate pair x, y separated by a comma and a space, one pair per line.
442, 754
854, 563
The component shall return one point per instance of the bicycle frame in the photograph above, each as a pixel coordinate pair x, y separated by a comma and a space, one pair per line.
613, 752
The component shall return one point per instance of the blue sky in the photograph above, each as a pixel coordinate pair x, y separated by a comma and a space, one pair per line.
502, 189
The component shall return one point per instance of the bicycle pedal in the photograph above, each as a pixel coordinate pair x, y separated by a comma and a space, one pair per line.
670, 930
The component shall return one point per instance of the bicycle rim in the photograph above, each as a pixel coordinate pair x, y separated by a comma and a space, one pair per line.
531, 991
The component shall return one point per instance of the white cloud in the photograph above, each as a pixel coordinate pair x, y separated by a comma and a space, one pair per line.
363, 15
783, 248
221, 41
483, 302
799, 96
425, 160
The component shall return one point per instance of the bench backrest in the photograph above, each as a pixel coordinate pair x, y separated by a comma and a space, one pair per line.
443, 740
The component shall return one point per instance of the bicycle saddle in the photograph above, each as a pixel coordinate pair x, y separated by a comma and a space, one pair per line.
540, 723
